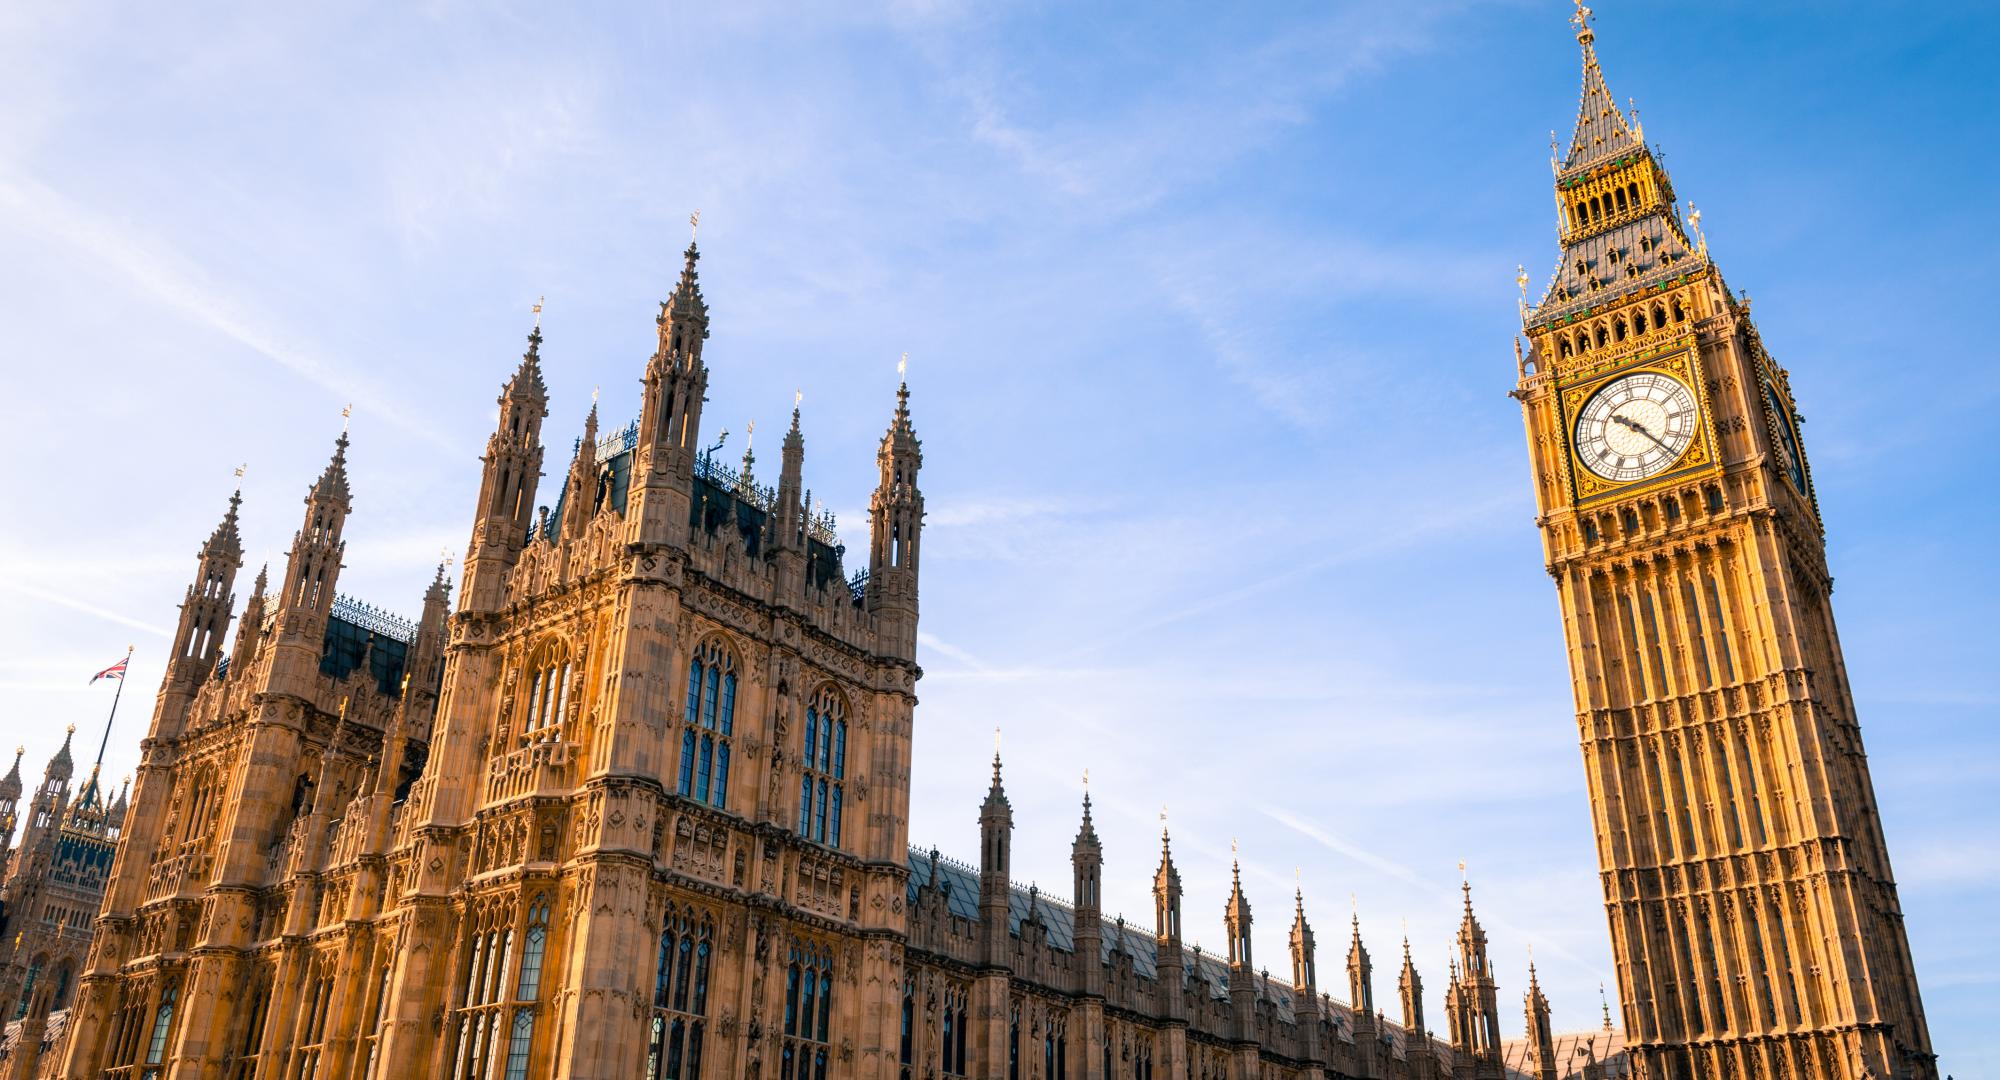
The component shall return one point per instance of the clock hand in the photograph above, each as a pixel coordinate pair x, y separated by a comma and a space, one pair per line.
1641, 429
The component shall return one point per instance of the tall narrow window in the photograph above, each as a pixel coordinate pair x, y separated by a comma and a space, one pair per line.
709, 724
680, 997
163, 1023
808, 1012
1721, 632
825, 768
527, 988
548, 692
489, 961
907, 1055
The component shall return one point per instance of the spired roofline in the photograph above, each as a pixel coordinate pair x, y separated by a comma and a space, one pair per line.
1602, 130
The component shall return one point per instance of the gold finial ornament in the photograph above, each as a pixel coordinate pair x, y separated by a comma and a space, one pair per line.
1694, 222
240, 469
1580, 19
694, 226
798, 398
537, 309
346, 414
903, 366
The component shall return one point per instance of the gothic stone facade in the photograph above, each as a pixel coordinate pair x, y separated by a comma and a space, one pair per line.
638, 808
1753, 913
50, 890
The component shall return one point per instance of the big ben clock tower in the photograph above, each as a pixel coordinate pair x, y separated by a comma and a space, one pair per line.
1753, 914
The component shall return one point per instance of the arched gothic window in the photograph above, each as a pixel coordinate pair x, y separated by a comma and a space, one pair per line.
527, 988
956, 1021
548, 692
163, 1024
1055, 1049
907, 1055
808, 1012
488, 959
825, 767
680, 996
709, 724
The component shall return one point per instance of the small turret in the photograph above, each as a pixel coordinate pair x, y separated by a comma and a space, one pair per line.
204, 619
1086, 858
676, 385
580, 494
312, 570
1360, 974
1541, 1038
896, 521
996, 826
1167, 892
251, 627
10, 799
512, 469
1410, 987
1236, 918
1305, 976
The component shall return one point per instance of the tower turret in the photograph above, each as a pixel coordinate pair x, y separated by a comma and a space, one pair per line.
1360, 975
512, 469
10, 799
580, 494
787, 516
1410, 987
996, 826
1474, 1001
1086, 857
1541, 1037
1305, 979
676, 385
205, 610
251, 627
896, 519
312, 569
1236, 918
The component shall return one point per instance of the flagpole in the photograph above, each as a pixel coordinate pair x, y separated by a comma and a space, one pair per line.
106, 741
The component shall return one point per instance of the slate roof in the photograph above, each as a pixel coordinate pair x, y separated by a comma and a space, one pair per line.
1664, 256
1574, 1050
1601, 128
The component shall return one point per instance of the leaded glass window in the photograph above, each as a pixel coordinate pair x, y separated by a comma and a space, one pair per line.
824, 767
808, 1012
708, 724
680, 996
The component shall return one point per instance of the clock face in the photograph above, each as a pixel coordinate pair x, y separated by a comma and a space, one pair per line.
1789, 456
1636, 426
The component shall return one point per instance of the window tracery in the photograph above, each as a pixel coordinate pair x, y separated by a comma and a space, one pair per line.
808, 1012
680, 996
822, 783
708, 726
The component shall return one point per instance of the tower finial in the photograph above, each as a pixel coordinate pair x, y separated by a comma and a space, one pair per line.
346, 414
694, 226
537, 309
1580, 19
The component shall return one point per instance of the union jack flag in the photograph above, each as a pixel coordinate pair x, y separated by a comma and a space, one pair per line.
115, 671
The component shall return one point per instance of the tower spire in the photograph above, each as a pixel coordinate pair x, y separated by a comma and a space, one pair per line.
1601, 129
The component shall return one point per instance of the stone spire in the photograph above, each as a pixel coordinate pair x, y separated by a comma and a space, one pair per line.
1474, 1000
787, 515
61, 766
1410, 987
204, 618
1087, 864
1167, 890
580, 493
1360, 973
896, 521
1305, 975
10, 784
312, 570
251, 627
1602, 130
1236, 917
676, 380
1540, 1036
511, 471
996, 826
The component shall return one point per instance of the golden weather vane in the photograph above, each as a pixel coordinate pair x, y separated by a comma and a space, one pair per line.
1582, 16
903, 365
240, 469
694, 226
537, 309
346, 414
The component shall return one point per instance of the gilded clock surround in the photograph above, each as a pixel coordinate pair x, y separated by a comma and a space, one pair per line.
1675, 358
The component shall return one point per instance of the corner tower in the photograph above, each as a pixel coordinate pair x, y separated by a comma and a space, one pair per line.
1753, 914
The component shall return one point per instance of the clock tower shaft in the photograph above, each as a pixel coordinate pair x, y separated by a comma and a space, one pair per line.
1753, 914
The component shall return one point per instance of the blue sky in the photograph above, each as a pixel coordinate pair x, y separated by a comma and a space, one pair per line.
1209, 318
